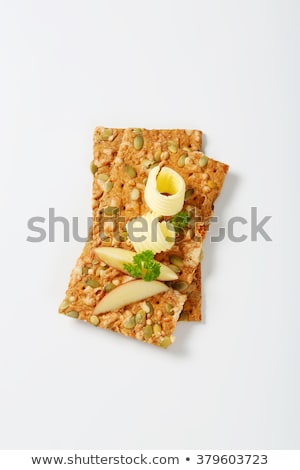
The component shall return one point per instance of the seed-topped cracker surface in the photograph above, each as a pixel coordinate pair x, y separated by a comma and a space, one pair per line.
122, 161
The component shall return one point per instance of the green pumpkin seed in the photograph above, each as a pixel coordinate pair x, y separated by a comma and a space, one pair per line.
130, 171
176, 260
138, 142
94, 320
84, 270
137, 130
165, 342
111, 210
147, 331
150, 308
103, 177
108, 186
93, 167
72, 314
123, 237
172, 146
169, 308
92, 283
203, 161
189, 193
180, 285
140, 317
184, 316
108, 287
106, 134
65, 304
156, 329
181, 161
129, 323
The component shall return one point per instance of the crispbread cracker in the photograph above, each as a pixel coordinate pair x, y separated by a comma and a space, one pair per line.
155, 142
206, 182
105, 156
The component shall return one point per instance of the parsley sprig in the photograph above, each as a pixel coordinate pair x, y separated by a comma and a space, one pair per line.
144, 266
180, 221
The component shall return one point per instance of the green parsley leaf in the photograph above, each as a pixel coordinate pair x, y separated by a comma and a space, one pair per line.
180, 221
143, 266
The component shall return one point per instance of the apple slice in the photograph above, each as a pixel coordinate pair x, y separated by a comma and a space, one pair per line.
117, 257
125, 294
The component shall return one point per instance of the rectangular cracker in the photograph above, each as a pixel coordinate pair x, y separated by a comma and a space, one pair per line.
206, 181
106, 155
78, 293
153, 140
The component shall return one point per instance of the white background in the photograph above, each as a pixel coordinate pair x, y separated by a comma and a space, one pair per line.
230, 68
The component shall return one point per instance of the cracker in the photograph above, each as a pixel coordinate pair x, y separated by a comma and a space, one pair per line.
206, 182
105, 157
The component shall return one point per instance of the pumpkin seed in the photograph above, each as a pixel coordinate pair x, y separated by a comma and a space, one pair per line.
203, 161
108, 186
84, 270
93, 167
176, 260
72, 314
94, 320
169, 308
129, 323
137, 130
147, 331
172, 146
130, 171
181, 161
123, 237
92, 283
165, 342
184, 316
150, 308
138, 142
189, 193
111, 210
103, 177
156, 329
108, 287
65, 304
106, 134
180, 285
140, 317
